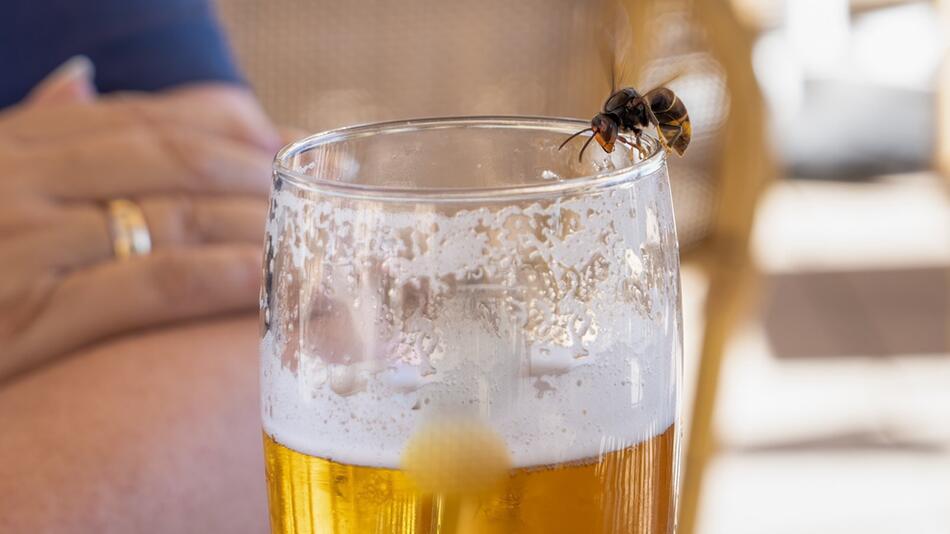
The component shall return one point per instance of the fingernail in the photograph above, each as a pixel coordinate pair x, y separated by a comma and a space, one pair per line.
76, 66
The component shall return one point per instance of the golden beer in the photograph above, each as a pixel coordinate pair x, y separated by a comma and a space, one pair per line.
629, 491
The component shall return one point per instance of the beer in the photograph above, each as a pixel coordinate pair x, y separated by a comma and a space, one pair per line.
628, 491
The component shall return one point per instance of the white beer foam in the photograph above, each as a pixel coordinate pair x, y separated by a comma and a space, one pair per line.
563, 338
580, 414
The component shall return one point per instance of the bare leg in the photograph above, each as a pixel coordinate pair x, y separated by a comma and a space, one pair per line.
156, 432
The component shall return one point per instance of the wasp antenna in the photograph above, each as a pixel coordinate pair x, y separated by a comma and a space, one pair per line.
575, 134
580, 156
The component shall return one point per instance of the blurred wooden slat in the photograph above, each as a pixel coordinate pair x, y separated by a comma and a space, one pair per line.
942, 156
885, 313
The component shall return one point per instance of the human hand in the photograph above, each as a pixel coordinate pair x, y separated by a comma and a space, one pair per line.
196, 161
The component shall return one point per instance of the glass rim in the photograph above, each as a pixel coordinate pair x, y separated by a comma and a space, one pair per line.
656, 157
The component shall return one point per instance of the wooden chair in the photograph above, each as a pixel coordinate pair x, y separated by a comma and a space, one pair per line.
319, 65
740, 169
942, 156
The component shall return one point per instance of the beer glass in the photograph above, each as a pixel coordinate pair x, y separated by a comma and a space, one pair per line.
468, 330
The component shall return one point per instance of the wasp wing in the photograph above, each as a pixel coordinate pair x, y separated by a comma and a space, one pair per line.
614, 43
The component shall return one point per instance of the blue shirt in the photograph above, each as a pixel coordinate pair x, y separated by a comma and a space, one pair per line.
143, 45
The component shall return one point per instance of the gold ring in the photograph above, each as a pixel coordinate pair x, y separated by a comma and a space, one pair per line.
130, 235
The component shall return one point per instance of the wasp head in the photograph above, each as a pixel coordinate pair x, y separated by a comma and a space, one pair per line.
605, 128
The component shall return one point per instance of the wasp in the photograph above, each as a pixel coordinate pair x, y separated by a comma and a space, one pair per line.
627, 111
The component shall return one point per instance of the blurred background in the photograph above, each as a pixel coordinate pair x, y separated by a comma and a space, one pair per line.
813, 210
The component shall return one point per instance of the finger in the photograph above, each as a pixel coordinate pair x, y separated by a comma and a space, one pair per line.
147, 291
290, 134
224, 109
80, 236
37, 125
175, 221
231, 113
20, 303
71, 82
75, 237
149, 162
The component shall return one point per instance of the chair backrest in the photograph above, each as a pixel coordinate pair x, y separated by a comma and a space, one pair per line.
321, 64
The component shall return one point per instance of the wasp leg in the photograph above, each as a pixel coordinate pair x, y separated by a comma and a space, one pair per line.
672, 142
679, 133
639, 145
